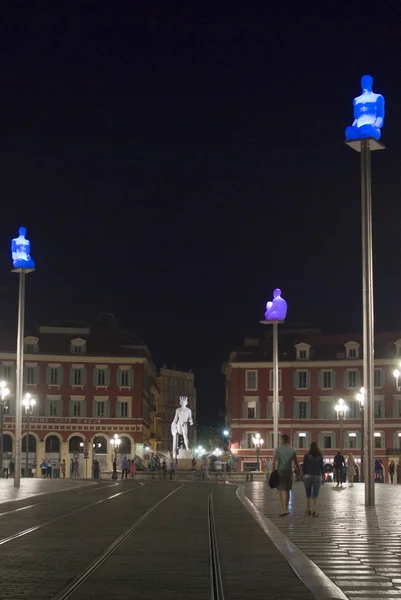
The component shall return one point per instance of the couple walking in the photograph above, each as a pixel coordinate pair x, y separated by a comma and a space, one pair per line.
312, 473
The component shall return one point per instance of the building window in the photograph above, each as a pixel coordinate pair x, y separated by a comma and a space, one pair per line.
379, 409
327, 441
352, 440
76, 408
302, 410
302, 379
353, 410
352, 353
378, 378
31, 345
327, 379
251, 380
100, 409
54, 376
30, 375
77, 376
378, 440
78, 346
302, 440
251, 410
303, 355
123, 409
352, 349
326, 408
124, 380
101, 377
8, 372
352, 379
53, 404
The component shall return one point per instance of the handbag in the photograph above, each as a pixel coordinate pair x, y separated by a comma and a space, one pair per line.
274, 479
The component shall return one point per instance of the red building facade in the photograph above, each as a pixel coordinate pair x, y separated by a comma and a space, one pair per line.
88, 384
315, 370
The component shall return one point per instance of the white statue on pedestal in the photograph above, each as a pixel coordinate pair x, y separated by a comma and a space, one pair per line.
183, 418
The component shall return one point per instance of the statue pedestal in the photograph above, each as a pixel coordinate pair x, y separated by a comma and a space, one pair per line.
184, 460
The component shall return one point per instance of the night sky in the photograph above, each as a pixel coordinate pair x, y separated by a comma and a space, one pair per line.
173, 162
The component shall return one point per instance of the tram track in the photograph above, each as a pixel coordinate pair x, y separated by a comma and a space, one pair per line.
71, 588
215, 574
65, 515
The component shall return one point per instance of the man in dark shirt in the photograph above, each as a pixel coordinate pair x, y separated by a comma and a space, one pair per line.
339, 464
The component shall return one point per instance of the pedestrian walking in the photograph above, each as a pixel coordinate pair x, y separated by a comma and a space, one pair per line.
313, 477
193, 466
12, 467
173, 469
378, 469
6, 467
205, 469
43, 468
132, 469
96, 469
381, 472
339, 464
34, 468
284, 459
49, 467
63, 466
114, 475
72, 465
391, 470
351, 469
124, 468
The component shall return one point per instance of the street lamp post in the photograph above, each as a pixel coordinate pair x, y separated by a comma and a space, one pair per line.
341, 410
361, 399
115, 442
258, 443
3, 395
28, 403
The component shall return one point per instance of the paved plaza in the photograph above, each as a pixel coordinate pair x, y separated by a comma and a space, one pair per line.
150, 539
359, 549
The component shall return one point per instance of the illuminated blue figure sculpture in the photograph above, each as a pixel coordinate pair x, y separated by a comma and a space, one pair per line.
277, 309
20, 251
368, 113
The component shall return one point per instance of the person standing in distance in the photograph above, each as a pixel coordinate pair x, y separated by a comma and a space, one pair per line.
339, 464
284, 459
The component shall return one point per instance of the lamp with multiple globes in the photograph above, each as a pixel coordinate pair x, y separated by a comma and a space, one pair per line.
4, 391
396, 374
258, 443
28, 403
341, 409
115, 442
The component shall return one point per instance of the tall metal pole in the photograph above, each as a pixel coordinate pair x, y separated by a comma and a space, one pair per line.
341, 434
362, 471
19, 378
2, 436
275, 385
257, 459
27, 412
368, 322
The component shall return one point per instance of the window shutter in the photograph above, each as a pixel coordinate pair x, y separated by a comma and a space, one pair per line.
83, 408
308, 379
320, 380
131, 377
107, 408
308, 410
94, 403
71, 408
72, 376
270, 379
295, 379
47, 407
244, 440
396, 409
281, 412
321, 411
345, 375
118, 377
95, 376
36, 375
107, 377
382, 378
333, 379
257, 411
269, 412
358, 378
61, 375
84, 376
245, 409
48, 378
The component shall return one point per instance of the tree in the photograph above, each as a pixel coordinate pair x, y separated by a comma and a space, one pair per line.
209, 438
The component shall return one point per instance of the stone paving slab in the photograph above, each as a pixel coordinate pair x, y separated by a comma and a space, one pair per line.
34, 487
347, 540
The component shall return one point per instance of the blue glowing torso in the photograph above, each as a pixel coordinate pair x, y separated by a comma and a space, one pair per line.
20, 251
368, 116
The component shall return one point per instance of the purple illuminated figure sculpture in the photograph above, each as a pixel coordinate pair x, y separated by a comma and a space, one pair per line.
277, 309
368, 113
20, 251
